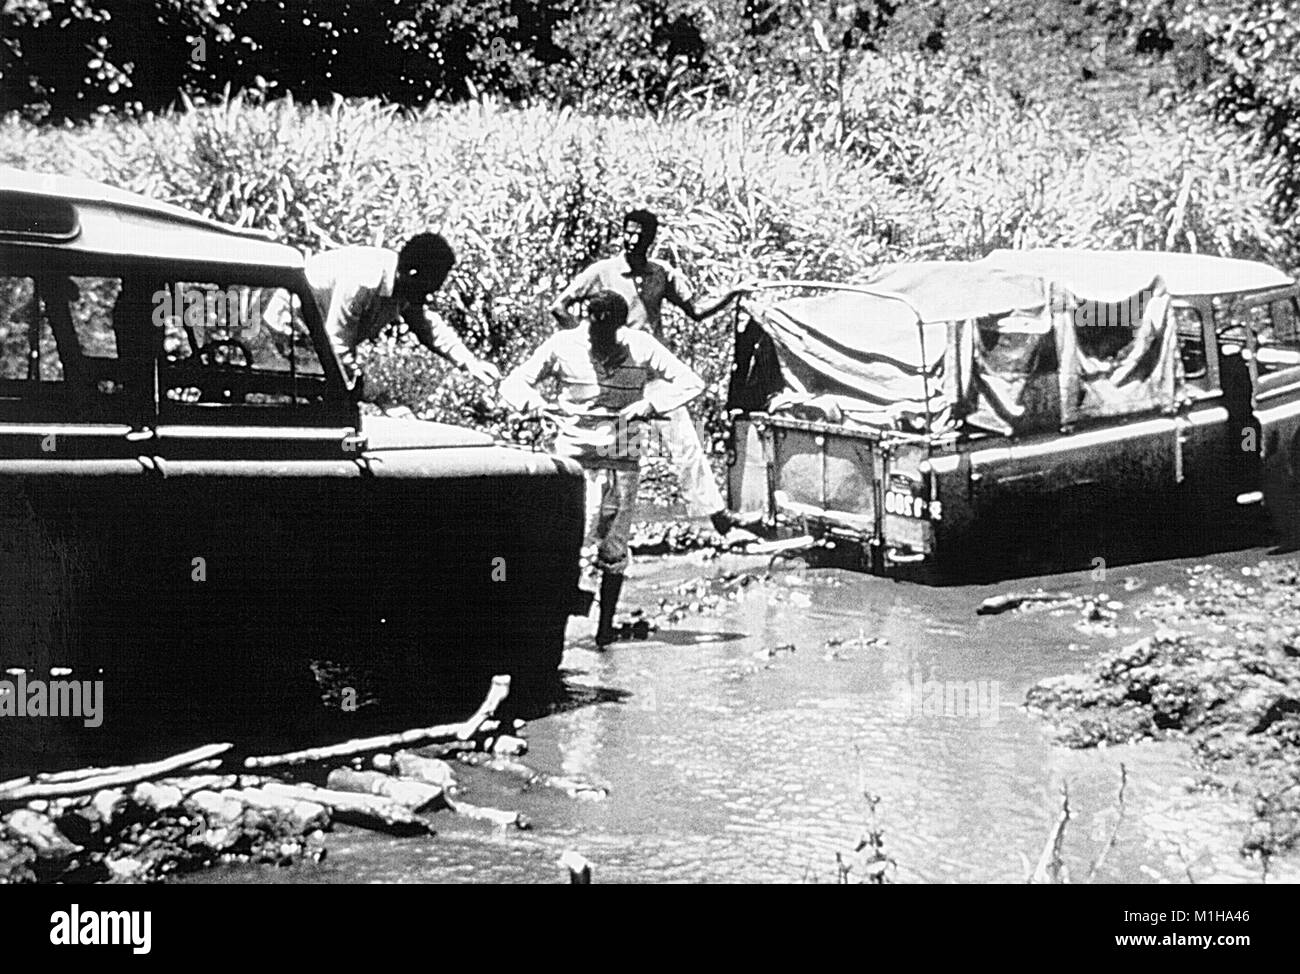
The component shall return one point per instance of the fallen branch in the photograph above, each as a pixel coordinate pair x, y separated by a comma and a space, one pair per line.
497, 693
348, 749
997, 604
116, 778
1050, 864
1114, 832
478, 724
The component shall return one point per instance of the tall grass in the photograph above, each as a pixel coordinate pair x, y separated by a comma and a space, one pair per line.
896, 158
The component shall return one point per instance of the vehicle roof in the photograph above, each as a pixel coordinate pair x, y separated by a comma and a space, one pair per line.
937, 291
116, 223
1185, 275
1019, 280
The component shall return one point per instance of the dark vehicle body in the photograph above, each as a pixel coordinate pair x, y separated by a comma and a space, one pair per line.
189, 491
940, 408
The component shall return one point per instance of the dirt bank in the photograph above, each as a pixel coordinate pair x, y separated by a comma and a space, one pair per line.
1223, 672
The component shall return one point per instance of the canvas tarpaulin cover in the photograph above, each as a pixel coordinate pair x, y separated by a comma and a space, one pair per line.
997, 350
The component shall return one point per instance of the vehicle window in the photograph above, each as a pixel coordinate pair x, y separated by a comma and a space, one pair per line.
1103, 331
235, 344
92, 314
1276, 335
58, 354
1014, 345
18, 309
1285, 322
1239, 320
1191, 346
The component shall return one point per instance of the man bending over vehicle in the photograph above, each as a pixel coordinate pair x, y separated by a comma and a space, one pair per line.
605, 373
361, 290
645, 284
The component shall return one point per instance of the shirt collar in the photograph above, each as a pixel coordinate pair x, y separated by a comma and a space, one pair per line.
625, 269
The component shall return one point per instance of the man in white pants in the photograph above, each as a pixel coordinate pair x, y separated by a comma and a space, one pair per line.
645, 284
603, 370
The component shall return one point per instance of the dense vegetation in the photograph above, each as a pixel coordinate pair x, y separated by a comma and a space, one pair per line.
775, 137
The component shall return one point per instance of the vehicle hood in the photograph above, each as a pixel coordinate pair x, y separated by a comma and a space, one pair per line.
388, 433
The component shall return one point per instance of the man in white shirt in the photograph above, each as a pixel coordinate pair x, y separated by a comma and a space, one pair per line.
360, 290
612, 379
645, 284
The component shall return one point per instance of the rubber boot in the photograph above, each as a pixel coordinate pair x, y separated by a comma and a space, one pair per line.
610, 587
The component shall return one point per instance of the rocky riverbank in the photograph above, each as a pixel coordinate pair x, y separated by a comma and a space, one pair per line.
1223, 672
214, 805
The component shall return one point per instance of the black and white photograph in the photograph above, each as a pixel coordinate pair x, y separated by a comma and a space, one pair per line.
651, 442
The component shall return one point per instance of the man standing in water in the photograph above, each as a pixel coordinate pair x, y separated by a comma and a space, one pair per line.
644, 284
612, 380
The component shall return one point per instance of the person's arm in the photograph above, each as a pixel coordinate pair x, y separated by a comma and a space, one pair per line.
436, 335
678, 382
518, 390
681, 294
582, 286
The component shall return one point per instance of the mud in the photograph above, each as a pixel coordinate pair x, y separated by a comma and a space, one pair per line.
1223, 673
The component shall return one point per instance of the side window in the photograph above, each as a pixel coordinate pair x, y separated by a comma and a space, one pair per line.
235, 344
1104, 330
18, 311
57, 349
1278, 341
92, 315
242, 326
1015, 345
1276, 334
1191, 346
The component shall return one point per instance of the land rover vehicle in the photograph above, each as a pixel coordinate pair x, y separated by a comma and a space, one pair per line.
917, 414
186, 489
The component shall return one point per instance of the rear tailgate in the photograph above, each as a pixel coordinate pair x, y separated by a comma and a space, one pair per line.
853, 482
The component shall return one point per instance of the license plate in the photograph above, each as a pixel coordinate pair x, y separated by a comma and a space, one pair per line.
904, 503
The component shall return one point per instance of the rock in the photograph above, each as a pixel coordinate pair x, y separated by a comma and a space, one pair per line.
414, 795
301, 815
158, 798
218, 811
40, 833
16, 861
109, 803
509, 744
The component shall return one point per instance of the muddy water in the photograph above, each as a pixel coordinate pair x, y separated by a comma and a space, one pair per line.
732, 757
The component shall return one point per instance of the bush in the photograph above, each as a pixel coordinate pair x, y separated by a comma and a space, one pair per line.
1240, 62
904, 156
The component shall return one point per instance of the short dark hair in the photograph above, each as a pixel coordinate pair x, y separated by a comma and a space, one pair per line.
608, 307
426, 257
648, 222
